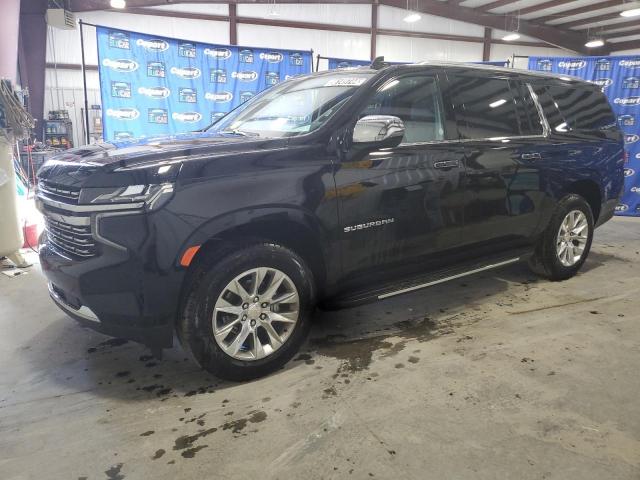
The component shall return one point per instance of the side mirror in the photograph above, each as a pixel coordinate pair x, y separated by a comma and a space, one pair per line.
378, 131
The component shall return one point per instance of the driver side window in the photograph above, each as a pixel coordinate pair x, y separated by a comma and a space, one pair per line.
416, 101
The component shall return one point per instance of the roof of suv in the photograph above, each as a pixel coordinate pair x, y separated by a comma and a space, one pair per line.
473, 66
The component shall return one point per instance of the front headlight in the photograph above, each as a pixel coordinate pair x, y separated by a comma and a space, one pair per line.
148, 195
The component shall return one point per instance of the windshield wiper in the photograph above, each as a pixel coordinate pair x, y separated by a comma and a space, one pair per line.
240, 132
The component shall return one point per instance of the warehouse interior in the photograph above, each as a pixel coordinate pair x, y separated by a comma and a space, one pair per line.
493, 373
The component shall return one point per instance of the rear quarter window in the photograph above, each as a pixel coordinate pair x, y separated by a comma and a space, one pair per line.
580, 108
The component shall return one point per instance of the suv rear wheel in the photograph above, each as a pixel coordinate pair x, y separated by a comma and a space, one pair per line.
248, 313
565, 244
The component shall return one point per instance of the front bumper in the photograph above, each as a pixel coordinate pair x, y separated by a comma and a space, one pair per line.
121, 289
153, 336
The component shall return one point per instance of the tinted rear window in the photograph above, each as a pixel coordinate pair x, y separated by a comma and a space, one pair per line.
581, 108
493, 107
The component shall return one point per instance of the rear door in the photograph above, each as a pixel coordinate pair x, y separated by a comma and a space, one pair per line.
400, 205
502, 132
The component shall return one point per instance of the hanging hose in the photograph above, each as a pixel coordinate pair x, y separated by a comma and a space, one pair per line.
15, 123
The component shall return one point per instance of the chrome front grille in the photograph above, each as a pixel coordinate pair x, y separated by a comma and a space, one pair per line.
74, 240
63, 193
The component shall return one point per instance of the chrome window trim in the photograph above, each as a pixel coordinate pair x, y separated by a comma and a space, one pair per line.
546, 129
432, 142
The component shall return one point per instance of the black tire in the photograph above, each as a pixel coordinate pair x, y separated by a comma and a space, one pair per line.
211, 276
545, 261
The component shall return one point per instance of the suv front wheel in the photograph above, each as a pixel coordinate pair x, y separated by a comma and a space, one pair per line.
248, 313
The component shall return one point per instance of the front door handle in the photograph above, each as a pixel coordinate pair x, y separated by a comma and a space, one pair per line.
531, 156
446, 164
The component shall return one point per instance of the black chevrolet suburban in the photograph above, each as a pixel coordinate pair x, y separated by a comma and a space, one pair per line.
336, 188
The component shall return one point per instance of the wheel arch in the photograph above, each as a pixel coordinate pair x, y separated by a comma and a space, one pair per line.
290, 227
590, 190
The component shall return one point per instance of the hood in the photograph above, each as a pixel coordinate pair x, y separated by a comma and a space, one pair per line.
141, 150
75, 166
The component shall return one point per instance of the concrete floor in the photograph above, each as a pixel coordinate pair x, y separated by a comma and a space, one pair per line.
491, 377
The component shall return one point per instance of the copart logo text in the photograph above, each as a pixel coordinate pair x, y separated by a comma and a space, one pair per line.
603, 82
187, 117
186, 72
122, 65
572, 64
123, 113
154, 45
272, 57
245, 76
154, 92
220, 97
631, 101
630, 63
219, 53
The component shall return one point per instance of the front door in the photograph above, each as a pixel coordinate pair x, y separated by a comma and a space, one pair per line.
401, 205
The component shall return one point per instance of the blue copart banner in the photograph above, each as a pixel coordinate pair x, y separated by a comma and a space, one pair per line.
341, 63
619, 76
153, 85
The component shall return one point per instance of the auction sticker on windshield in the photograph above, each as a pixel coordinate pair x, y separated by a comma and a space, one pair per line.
345, 82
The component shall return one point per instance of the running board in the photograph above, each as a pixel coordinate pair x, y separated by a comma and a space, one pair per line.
446, 279
417, 282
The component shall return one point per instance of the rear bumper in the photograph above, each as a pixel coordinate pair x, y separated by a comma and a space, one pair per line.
607, 211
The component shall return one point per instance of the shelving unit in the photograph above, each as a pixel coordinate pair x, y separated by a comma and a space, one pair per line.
58, 130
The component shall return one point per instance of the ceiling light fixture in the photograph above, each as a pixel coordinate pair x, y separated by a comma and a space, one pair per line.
595, 43
511, 36
412, 18
118, 3
634, 12
273, 12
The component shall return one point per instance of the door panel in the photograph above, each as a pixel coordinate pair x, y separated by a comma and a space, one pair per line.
502, 134
504, 191
417, 199
401, 205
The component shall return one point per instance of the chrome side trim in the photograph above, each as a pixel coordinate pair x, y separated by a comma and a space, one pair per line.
446, 279
87, 208
83, 312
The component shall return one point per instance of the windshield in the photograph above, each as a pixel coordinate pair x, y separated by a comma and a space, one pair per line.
292, 108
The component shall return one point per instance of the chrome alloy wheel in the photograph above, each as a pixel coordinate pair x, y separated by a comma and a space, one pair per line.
572, 238
255, 314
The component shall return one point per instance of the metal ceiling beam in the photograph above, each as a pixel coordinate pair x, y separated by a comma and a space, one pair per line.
568, 40
630, 45
588, 21
540, 6
91, 5
272, 22
624, 33
172, 14
496, 4
624, 26
579, 11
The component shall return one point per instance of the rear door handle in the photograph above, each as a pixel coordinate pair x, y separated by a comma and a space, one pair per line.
446, 164
531, 156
